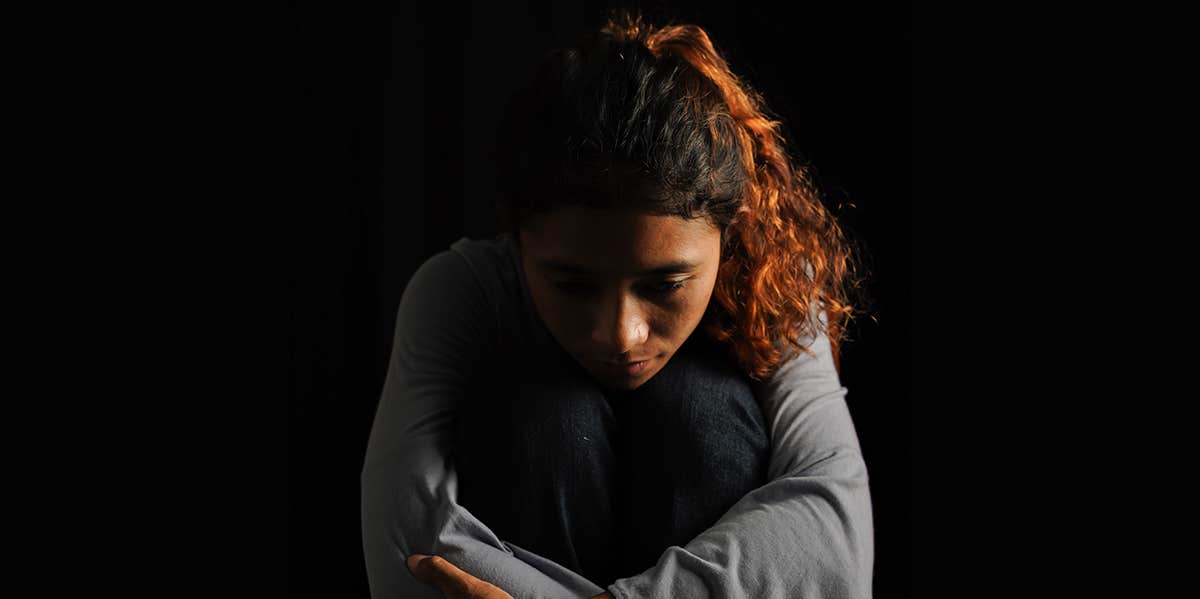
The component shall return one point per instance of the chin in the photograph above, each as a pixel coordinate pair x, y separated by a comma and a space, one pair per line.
626, 383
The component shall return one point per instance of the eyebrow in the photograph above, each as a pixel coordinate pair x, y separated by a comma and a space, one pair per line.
665, 269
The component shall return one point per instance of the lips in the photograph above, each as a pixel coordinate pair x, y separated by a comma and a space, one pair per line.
626, 368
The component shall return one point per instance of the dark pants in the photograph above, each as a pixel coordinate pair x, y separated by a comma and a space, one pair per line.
603, 481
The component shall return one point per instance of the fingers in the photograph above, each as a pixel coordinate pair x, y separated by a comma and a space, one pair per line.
413, 560
436, 570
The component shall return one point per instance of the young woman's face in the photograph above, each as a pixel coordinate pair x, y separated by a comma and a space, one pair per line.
614, 286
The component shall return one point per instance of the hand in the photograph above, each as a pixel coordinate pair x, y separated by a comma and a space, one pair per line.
450, 580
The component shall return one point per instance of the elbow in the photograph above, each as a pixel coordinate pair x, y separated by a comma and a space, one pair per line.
839, 491
849, 570
858, 528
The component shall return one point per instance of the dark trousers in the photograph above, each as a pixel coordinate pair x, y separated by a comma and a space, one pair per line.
604, 481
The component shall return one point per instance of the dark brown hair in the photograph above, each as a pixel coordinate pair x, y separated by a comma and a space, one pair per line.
652, 119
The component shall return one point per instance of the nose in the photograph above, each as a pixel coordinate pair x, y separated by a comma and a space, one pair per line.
621, 327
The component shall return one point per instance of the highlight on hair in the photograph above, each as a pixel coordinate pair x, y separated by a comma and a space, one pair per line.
652, 119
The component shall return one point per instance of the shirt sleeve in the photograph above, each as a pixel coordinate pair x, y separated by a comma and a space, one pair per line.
444, 324
806, 534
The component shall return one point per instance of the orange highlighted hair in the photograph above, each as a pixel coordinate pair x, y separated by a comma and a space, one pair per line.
653, 119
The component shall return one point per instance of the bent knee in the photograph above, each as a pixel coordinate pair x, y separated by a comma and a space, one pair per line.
700, 379
555, 410
702, 407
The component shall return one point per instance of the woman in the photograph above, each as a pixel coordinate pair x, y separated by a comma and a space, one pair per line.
633, 391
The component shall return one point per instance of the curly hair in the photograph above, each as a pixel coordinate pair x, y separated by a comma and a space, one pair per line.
652, 119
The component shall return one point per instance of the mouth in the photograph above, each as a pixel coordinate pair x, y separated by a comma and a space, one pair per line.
627, 368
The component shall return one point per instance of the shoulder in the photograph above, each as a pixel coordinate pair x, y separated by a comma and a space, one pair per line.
473, 279
490, 259
807, 374
467, 264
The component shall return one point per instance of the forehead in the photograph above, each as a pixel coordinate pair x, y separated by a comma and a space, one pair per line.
618, 241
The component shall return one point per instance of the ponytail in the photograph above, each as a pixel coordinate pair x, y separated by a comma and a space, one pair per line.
786, 263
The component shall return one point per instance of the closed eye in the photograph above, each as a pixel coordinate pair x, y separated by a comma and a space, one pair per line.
580, 289
583, 289
573, 288
667, 287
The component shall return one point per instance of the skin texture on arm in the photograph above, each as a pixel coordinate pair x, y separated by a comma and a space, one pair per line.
808, 533
444, 325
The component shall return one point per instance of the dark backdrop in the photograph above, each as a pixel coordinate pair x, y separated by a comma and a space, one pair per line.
390, 109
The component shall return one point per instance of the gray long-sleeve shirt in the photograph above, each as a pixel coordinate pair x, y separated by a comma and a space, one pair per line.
808, 533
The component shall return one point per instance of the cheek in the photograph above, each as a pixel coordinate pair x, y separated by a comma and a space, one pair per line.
690, 309
697, 305
675, 319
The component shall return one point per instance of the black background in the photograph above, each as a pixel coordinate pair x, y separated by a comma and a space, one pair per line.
390, 109
220, 231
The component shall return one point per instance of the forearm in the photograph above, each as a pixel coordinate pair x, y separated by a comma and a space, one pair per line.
812, 539
410, 506
807, 534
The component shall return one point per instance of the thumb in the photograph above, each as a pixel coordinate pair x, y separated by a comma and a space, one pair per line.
412, 561
438, 572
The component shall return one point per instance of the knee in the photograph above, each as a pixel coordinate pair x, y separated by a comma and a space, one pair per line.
704, 405
554, 413
509, 408
701, 380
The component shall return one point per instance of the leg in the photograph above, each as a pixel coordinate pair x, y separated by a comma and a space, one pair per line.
692, 442
536, 463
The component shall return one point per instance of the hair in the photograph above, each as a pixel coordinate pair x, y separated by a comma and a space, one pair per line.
652, 119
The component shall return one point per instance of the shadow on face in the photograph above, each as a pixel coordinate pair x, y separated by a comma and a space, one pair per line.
616, 287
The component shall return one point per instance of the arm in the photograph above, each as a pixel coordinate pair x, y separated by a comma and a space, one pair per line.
808, 533
409, 486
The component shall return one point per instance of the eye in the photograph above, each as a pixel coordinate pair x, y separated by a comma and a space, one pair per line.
667, 287
573, 288
577, 289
